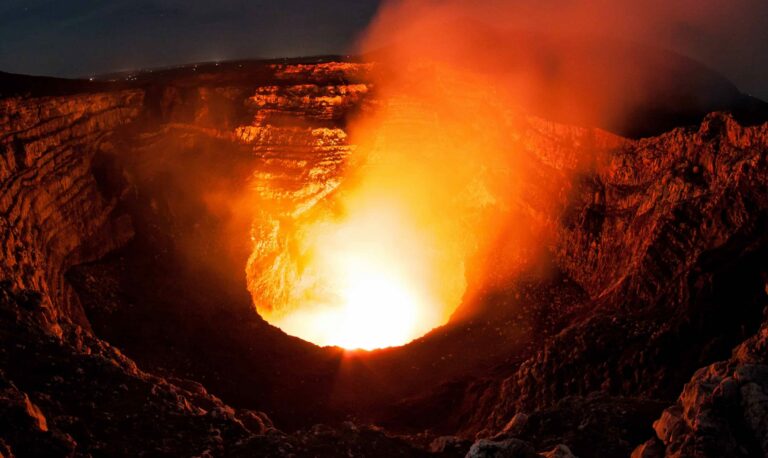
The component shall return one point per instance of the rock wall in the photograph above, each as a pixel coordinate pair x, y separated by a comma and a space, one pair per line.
52, 210
55, 211
721, 411
665, 234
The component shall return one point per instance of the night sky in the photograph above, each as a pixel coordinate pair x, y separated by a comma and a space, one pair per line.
81, 37
86, 37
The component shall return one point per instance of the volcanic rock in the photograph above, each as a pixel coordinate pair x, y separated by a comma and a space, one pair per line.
722, 409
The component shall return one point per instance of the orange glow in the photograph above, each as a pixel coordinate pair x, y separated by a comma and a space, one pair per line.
366, 285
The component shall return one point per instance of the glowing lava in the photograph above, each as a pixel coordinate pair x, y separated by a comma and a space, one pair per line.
365, 283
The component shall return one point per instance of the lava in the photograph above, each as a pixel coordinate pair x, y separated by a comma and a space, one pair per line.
364, 285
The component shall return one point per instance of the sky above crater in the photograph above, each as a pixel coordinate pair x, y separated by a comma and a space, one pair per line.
85, 37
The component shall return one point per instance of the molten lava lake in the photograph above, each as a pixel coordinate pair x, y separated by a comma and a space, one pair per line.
366, 283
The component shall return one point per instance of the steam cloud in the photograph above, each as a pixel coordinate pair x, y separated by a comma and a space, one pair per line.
727, 36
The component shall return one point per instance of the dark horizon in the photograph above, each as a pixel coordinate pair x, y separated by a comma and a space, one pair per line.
85, 38
82, 38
